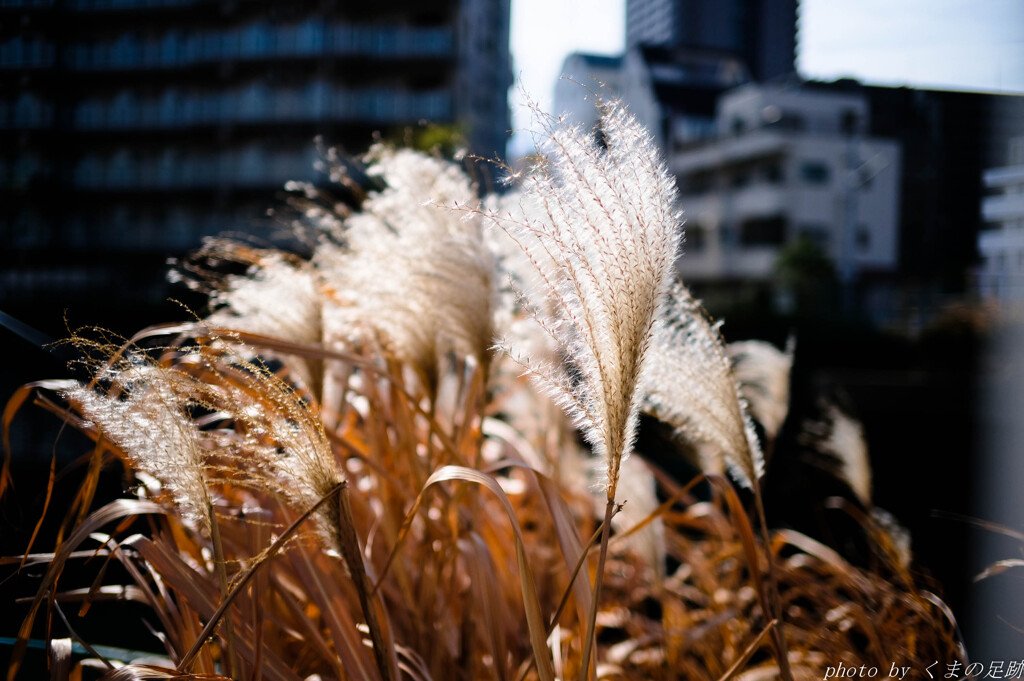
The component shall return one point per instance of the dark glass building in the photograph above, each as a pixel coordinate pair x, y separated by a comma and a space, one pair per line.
131, 128
759, 33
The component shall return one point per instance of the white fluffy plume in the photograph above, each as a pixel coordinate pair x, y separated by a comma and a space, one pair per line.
694, 390
414, 277
762, 370
600, 227
272, 440
147, 421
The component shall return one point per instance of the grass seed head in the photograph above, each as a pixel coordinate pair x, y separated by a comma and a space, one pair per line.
599, 225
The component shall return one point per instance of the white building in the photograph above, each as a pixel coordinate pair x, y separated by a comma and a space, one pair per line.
673, 94
583, 77
788, 161
1001, 242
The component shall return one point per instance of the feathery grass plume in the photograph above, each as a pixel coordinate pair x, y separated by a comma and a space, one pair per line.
272, 440
532, 413
600, 227
896, 535
276, 441
276, 297
144, 416
279, 297
695, 392
415, 278
762, 371
517, 273
840, 437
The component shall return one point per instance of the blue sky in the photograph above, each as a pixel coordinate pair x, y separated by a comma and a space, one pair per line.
950, 44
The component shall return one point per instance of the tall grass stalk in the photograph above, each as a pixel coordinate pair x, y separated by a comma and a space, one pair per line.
600, 227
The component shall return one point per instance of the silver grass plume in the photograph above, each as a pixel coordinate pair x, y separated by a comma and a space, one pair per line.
278, 297
272, 441
840, 437
600, 228
695, 392
762, 371
898, 535
532, 413
414, 277
516, 274
144, 416
274, 298
276, 440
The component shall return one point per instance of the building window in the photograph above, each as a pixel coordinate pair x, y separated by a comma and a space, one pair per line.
792, 121
863, 239
773, 172
740, 179
850, 122
769, 231
814, 172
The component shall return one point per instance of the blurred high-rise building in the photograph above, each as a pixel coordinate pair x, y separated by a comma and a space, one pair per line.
131, 128
681, 55
759, 33
1000, 276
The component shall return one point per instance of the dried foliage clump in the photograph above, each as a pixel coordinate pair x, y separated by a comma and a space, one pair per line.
344, 477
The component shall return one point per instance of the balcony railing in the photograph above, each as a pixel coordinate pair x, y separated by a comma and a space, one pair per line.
26, 53
1003, 207
26, 3
256, 105
248, 167
260, 41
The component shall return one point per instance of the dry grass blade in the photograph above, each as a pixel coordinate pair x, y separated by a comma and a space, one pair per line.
78, 639
46, 506
14, 404
147, 672
531, 604
199, 598
745, 531
115, 510
488, 601
383, 649
748, 653
767, 593
984, 524
999, 567
242, 580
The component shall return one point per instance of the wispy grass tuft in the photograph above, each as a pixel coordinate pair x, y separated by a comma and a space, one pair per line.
599, 224
695, 391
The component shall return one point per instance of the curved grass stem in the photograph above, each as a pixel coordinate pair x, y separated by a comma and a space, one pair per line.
774, 600
230, 661
353, 555
588, 645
